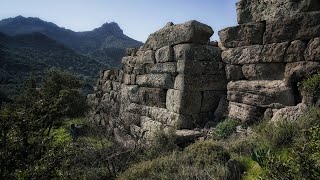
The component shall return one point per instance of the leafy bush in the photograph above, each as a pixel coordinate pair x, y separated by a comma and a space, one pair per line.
311, 86
224, 129
202, 160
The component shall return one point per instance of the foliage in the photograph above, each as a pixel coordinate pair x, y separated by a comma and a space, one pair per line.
202, 160
26, 122
225, 128
311, 86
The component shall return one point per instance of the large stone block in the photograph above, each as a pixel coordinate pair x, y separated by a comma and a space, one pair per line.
265, 71
196, 52
200, 83
169, 118
234, 72
244, 112
273, 94
295, 51
256, 54
200, 67
210, 100
269, 10
155, 80
303, 26
242, 35
168, 67
153, 97
313, 50
297, 71
184, 102
165, 54
189, 32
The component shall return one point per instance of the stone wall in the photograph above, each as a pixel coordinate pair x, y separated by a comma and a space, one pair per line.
275, 45
175, 80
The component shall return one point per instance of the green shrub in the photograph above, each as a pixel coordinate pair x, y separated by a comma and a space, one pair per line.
202, 160
225, 129
311, 86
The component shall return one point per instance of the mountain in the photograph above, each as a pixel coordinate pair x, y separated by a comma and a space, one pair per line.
35, 53
106, 44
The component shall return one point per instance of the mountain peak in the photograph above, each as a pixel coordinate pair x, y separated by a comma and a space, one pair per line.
111, 27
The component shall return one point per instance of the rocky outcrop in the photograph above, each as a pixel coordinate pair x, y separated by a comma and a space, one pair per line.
175, 81
274, 47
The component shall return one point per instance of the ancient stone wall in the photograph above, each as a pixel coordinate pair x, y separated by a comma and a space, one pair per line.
275, 45
175, 80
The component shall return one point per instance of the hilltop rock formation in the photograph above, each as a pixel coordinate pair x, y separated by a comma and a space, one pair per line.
175, 80
274, 47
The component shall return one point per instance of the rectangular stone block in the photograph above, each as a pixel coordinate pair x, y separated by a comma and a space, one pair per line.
200, 83
302, 26
183, 102
261, 93
200, 67
312, 52
244, 112
264, 71
168, 67
189, 52
189, 32
295, 51
242, 35
147, 56
164, 54
164, 81
255, 54
210, 100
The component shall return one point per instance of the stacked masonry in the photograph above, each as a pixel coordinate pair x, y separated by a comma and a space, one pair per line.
175, 80
276, 45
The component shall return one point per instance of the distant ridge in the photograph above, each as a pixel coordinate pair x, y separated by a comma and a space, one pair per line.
106, 44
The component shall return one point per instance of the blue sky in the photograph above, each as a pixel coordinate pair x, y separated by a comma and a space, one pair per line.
137, 18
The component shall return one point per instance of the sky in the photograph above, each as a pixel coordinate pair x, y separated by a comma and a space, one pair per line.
137, 18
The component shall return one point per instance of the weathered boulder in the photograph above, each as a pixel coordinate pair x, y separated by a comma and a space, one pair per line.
312, 52
242, 35
255, 54
184, 102
289, 114
303, 26
222, 110
244, 112
185, 135
189, 52
200, 83
266, 71
269, 10
155, 80
264, 93
295, 51
234, 72
189, 32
